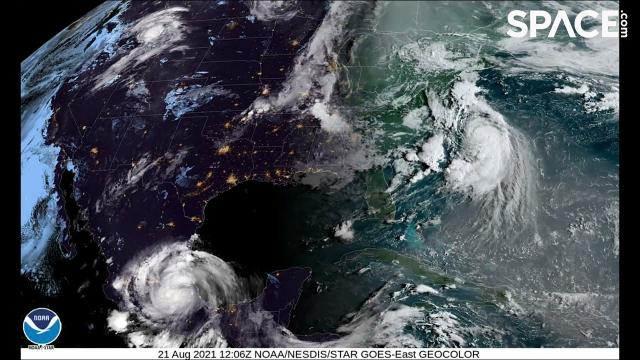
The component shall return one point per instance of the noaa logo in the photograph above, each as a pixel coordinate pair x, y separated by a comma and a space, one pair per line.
42, 326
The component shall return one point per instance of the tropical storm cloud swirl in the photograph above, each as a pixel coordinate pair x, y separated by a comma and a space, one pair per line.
321, 174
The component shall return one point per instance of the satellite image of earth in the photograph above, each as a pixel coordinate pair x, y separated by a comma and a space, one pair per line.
321, 174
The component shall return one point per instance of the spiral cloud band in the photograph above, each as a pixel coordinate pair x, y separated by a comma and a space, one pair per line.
175, 289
